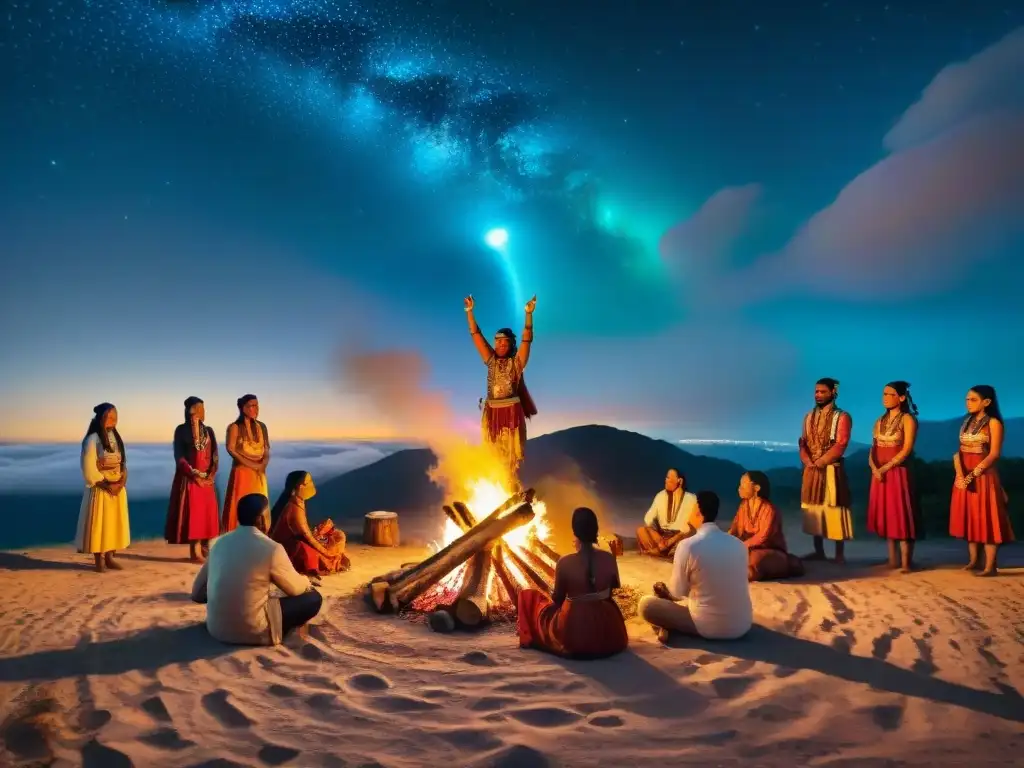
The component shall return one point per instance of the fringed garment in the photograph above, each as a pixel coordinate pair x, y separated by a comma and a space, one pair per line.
505, 410
825, 491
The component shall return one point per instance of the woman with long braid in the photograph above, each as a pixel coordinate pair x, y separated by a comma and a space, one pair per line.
103, 517
580, 620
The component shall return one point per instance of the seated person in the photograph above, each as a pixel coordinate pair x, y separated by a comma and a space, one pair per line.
759, 526
235, 582
312, 552
580, 620
665, 522
708, 595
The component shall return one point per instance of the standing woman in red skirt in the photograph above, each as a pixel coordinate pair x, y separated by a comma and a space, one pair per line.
977, 511
893, 510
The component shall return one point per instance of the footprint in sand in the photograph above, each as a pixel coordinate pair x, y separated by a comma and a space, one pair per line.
166, 738
708, 658
478, 659
223, 711
281, 691
369, 682
322, 702
491, 703
472, 739
744, 665
887, 717
310, 652
273, 754
606, 721
156, 709
516, 756
782, 672
96, 755
435, 693
396, 703
95, 719
716, 739
545, 717
218, 762
773, 713
732, 687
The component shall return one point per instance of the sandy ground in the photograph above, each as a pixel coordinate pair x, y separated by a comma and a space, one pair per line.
850, 666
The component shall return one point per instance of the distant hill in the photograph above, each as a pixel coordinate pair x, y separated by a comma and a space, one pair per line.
938, 440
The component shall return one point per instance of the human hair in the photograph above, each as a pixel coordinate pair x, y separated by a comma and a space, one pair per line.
680, 475
512, 344
986, 392
708, 504
293, 481
96, 428
240, 402
761, 480
902, 388
251, 508
190, 403
584, 528
832, 384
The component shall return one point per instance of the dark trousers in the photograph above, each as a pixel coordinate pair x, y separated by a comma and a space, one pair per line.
299, 610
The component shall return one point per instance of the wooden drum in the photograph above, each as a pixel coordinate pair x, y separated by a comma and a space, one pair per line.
380, 529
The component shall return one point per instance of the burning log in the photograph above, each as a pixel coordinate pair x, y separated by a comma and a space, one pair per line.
544, 549
510, 556
538, 564
501, 571
434, 568
471, 607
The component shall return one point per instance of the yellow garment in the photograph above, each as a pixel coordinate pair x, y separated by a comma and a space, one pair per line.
102, 518
828, 520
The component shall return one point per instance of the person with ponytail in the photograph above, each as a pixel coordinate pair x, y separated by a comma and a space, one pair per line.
192, 513
893, 509
580, 620
315, 551
977, 509
103, 516
248, 444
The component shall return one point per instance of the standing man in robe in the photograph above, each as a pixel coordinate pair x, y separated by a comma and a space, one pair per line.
666, 522
507, 404
825, 491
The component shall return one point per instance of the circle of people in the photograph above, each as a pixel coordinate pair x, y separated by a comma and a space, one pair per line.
707, 595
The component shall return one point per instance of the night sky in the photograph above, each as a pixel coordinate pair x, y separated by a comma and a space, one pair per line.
716, 203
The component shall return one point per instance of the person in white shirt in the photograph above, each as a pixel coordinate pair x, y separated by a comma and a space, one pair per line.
666, 522
235, 583
708, 595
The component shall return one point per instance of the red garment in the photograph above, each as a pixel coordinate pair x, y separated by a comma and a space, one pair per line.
978, 513
893, 511
580, 629
768, 556
293, 533
192, 512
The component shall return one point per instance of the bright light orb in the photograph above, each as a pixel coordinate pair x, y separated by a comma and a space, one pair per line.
496, 238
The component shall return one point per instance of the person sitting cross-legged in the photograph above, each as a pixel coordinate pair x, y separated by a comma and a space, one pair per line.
235, 583
708, 594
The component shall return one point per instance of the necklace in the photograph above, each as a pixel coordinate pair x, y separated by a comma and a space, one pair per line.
891, 423
973, 426
201, 441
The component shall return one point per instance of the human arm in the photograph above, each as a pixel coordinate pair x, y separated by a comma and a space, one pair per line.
284, 576
482, 347
526, 342
736, 526
558, 592
265, 461
211, 473
679, 583
805, 455
768, 525
995, 448
651, 518
297, 514
231, 444
199, 594
90, 468
909, 436
959, 469
843, 430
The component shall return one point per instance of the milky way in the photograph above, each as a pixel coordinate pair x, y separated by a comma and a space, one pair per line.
450, 115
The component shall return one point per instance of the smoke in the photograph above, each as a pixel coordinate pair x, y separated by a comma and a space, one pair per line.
394, 385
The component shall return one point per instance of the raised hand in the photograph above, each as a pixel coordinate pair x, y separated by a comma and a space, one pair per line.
468, 303
530, 305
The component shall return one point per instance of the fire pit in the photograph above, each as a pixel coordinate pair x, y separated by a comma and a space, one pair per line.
484, 564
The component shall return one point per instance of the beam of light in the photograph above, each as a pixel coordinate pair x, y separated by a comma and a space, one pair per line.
497, 239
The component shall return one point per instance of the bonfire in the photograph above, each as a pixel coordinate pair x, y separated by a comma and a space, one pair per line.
493, 545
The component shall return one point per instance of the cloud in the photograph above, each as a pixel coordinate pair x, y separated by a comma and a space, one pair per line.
55, 469
913, 224
990, 80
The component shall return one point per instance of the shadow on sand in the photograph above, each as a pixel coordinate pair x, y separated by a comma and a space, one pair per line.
13, 561
773, 647
145, 651
129, 555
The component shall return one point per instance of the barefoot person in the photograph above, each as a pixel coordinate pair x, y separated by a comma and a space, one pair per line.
893, 510
192, 513
316, 551
508, 404
977, 510
103, 516
665, 523
825, 492
235, 583
248, 444
708, 595
580, 620
758, 525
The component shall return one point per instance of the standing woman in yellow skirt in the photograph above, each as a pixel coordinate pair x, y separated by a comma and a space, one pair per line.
248, 443
103, 517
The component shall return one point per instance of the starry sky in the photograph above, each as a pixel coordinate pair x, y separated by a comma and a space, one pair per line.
715, 204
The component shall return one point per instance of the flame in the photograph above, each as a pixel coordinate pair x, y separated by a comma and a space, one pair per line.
484, 496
